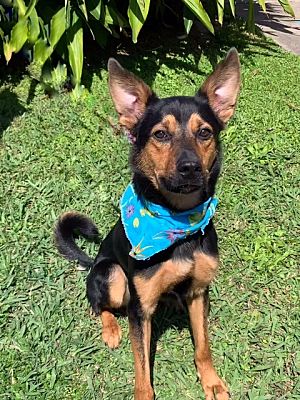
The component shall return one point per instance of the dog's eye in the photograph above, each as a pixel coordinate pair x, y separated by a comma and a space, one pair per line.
162, 136
204, 134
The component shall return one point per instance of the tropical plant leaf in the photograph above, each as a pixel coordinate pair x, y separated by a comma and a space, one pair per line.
34, 27
30, 8
41, 51
82, 7
75, 47
197, 8
21, 7
188, 19
18, 37
57, 26
137, 14
115, 16
99, 32
220, 7
250, 24
7, 50
232, 7
262, 3
95, 8
286, 5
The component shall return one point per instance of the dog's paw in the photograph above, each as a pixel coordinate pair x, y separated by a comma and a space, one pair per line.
215, 389
112, 334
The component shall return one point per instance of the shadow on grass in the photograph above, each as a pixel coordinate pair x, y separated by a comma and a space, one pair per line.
167, 316
10, 107
165, 49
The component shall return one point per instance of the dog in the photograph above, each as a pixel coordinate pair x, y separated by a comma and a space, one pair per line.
165, 240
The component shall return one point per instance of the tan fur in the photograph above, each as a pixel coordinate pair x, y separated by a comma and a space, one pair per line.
168, 123
111, 331
226, 73
123, 82
143, 389
213, 386
205, 268
202, 270
118, 288
159, 158
169, 274
206, 149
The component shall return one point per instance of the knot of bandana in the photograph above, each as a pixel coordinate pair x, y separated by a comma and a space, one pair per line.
151, 228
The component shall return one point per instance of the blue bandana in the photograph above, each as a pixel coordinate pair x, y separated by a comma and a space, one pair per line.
151, 228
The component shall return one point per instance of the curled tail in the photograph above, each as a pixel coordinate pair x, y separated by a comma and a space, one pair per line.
69, 225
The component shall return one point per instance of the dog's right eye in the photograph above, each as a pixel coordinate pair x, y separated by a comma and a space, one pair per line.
162, 136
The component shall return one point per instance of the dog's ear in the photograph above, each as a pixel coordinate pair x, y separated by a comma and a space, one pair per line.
129, 93
222, 87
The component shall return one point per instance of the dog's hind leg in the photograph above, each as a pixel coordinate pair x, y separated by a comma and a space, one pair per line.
107, 290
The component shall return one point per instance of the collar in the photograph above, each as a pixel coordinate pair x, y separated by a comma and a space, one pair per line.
151, 228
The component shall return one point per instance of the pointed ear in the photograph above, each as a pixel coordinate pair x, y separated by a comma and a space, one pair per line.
222, 87
129, 94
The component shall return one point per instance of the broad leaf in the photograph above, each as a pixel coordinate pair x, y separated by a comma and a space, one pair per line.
137, 14
197, 8
34, 27
82, 6
99, 32
250, 24
21, 7
232, 6
7, 50
75, 47
95, 8
19, 36
57, 26
188, 19
220, 6
41, 51
262, 3
30, 8
286, 5
115, 16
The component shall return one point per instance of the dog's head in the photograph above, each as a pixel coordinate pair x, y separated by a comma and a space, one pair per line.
176, 151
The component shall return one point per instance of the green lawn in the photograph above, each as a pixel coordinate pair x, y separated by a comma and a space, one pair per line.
59, 155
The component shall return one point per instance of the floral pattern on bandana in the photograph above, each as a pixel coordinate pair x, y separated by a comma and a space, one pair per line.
151, 228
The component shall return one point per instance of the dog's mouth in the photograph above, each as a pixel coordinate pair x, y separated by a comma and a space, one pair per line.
180, 188
186, 189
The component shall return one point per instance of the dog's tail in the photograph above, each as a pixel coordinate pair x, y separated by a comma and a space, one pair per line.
68, 227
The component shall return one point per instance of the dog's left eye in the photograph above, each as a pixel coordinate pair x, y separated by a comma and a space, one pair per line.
162, 136
204, 134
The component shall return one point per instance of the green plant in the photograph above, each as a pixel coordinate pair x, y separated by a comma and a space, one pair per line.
60, 155
56, 30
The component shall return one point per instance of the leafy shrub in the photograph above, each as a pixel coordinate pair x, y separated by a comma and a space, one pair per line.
51, 31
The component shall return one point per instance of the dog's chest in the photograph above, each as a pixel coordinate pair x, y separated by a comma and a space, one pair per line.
201, 269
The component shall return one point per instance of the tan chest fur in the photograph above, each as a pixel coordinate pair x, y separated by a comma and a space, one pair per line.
202, 269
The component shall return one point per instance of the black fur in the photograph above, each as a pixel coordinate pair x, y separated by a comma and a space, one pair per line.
200, 183
68, 227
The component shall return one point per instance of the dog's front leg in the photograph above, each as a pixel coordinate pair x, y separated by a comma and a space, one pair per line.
140, 336
213, 386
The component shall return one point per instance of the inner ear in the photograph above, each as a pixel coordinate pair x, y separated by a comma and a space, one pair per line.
129, 94
222, 87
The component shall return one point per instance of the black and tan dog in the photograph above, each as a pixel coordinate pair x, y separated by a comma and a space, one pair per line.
175, 160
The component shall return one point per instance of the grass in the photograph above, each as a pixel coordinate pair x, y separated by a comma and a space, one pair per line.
58, 155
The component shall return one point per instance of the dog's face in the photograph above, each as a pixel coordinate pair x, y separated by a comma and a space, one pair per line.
176, 139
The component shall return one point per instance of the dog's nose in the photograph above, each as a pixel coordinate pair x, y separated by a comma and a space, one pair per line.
188, 168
